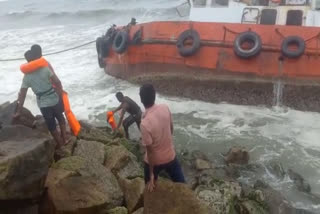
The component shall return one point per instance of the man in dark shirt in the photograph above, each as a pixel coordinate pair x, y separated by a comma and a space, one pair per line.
128, 105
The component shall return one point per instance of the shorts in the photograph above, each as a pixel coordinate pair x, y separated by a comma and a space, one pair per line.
50, 115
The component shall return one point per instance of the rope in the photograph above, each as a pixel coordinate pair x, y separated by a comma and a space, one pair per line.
229, 30
314, 37
279, 33
53, 53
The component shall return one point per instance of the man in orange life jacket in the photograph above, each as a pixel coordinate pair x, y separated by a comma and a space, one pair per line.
37, 54
41, 81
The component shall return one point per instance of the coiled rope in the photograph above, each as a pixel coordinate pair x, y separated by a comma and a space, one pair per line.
53, 53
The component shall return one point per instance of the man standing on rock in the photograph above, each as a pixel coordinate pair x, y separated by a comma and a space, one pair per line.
128, 105
156, 133
40, 81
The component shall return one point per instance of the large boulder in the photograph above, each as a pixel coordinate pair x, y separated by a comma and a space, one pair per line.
276, 202
90, 187
299, 181
133, 193
90, 150
25, 158
78, 194
122, 162
176, 198
7, 110
237, 156
219, 195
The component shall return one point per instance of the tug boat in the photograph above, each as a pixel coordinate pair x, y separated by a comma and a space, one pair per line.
251, 52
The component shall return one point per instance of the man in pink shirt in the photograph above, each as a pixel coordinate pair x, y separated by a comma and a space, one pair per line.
156, 133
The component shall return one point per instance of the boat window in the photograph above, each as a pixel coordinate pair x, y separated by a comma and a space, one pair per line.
199, 3
268, 17
216, 3
294, 17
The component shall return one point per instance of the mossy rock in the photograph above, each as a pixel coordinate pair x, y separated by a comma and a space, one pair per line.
216, 181
132, 146
252, 207
117, 210
72, 163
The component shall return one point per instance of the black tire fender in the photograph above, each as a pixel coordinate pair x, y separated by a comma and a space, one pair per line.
188, 50
293, 40
99, 47
121, 42
248, 36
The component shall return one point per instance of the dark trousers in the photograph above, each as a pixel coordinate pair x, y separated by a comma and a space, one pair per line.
129, 121
50, 115
173, 169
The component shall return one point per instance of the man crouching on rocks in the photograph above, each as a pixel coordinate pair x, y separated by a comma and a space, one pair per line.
39, 81
156, 133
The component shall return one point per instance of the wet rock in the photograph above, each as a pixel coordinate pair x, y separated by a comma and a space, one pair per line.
25, 158
117, 210
133, 193
299, 181
90, 150
16, 207
40, 124
237, 156
202, 164
56, 175
93, 187
7, 110
122, 162
91, 133
277, 169
219, 195
196, 154
73, 194
139, 211
67, 150
132, 146
188, 164
274, 200
176, 198
252, 207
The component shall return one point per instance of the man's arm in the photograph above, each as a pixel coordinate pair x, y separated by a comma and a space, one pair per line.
51, 68
55, 80
151, 184
21, 99
147, 143
118, 108
171, 123
121, 118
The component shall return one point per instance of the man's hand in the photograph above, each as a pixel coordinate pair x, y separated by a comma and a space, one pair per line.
151, 184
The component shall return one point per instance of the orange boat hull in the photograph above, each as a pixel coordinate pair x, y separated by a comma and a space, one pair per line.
215, 73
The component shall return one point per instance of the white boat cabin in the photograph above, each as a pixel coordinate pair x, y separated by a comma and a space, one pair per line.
268, 12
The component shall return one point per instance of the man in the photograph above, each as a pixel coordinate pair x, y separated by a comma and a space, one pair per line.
156, 133
128, 105
36, 54
47, 98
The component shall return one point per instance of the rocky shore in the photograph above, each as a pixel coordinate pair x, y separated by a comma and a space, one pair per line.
100, 172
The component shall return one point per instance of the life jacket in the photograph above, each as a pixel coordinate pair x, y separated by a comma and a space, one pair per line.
111, 120
72, 120
34, 65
